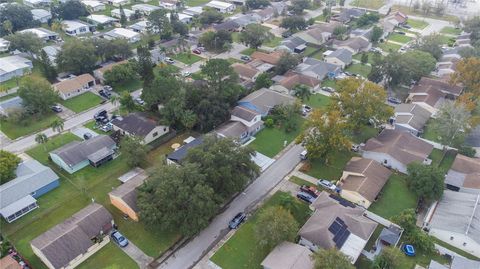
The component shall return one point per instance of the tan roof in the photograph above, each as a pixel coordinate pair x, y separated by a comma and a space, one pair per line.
290, 81
468, 166
287, 255
370, 179
128, 190
8, 262
427, 95
73, 84
109, 66
244, 70
271, 58
440, 85
232, 129
244, 113
412, 114
402, 146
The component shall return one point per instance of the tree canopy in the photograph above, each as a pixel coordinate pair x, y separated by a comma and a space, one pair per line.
14, 17
294, 23
134, 150
120, 74
37, 94
217, 41
8, 165
275, 225
210, 15
257, 4
389, 258
403, 68
452, 123
159, 23
69, 10
467, 73
77, 57
426, 181
287, 61
431, 44
331, 259
254, 35
25, 42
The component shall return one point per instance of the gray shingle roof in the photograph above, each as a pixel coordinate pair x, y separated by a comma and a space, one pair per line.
181, 153
343, 55
76, 152
128, 190
136, 124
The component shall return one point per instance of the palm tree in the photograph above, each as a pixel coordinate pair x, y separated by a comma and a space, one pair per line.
57, 126
114, 100
41, 138
302, 92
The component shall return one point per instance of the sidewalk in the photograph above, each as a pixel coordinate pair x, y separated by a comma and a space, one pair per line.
137, 255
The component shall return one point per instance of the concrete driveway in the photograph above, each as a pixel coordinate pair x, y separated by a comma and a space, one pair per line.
137, 255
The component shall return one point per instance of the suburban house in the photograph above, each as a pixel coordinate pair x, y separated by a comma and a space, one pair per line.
118, 3
293, 44
139, 125
52, 52
246, 19
230, 25
8, 262
193, 11
411, 118
41, 15
124, 197
10, 105
340, 57
243, 124
4, 45
100, 72
431, 93
347, 14
464, 175
451, 91
354, 44
74, 28
93, 5
287, 255
263, 100
101, 20
42, 33
270, 58
117, 14
318, 34
167, 5
445, 67
458, 262
71, 242
291, 79
337, 223
18, 196
123, 33
455, 219
77, 155
394, 20
317, 69
14, 66
145, 9
140, 27
366, 33
246, 72
362, 180
180, 153
221, 7
396, 149
37, 3
74, 86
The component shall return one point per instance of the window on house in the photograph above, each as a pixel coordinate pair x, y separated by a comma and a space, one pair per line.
155, 134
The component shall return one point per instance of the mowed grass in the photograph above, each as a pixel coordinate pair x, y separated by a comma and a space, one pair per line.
331, 171
300, 181
360, 69
82, 102
418, 24
394, 198
371, 4
399, 38
194, 3
389, 47
441, 160
275, 41
186, 58
450, 30
242, 250
110, 256
40, 152
34, 124
318, 101
128, 86
371, 56
270, 141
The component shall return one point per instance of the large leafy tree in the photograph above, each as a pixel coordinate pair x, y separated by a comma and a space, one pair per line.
25, 42
287, 61
407, 219
302, 91
473, 26
294, 23
426, 181
468, 74
263, 81
8, 165
256, 4
227, 166
145, 65
111, 49
332, 259
452, 124
134, 150
431, 44
37, 94
298, 6
120, 74
77, 57
69, 10
14, 17
217, 41
210, 15
222, 79
325, 134
162, 89
177, 198
389, 258
377, 33
46, 67
361, 101
159, 23
255, 35
403, 68
275, 225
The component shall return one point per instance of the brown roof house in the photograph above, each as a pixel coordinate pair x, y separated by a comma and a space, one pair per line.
362, 180
410, 118
244, 123
337, 223
287, 255
246, 72
396, 149
139, 125
70, 243
464, 175
354, 44
270, 58
319, 33
124, 197
74, 86
100, 72
431, 93
292, 79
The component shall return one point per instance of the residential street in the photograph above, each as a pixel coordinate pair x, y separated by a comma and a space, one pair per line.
188, 255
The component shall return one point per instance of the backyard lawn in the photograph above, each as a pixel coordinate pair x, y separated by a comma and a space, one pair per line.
270, 141
329, 83
300, 181
358, 56
8, 96
82, 102
7, 85
274, 42
450, 30
247, 51
418, 24
40, 152
360, 69
243, 250
428, 132
372, 4
318, 101
194, 3
394, 198
442, 162
129, 86
331, 171
110, 256
15, 130
389, 47
187, 58
399, 38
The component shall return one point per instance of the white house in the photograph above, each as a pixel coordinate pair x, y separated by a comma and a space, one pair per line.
129, 35
94, 6
139, 125
140, 27
74, 28
101, 19
221, 6
116, 13
42, 33
37, 3
167, 5
41, 15
4, 45
243, 124
14, 66
117, 3
74, 86
145, 9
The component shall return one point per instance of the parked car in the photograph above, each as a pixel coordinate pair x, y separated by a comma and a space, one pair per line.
107, 127
186, 74
201, 48
310, 190
394, 100
107, 88
57, 108
169, 61
400, 32
328, 89
139, 101
119, 239
87, 136
355, 148
406, 26
105, 94
326, 184
237, 220
245, 58
100, 114
286, 34
303, 155
305, 197
197, 51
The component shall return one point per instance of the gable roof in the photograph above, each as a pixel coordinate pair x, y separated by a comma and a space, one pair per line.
411, 114
263, 100
465, 172
368, 179
428, 95
179, 154
287, 255
343, 55
76, 152
128, 190
73, 84
244, 113
315, 68
440, 85
271, 58
233, 129
67, 240
355, 43
227, 25
293, 42
244, 70
402, 146
137, 124
293, 79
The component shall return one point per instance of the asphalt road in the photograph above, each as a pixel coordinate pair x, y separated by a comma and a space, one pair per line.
192, 252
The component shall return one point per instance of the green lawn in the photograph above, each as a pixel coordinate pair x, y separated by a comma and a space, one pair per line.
187, 58
242, 250
194, 3
394, 198
429, 133
374, 237
247, 51
274, 42
366, 132
310, 51
358, 56
389, 47
420, 13
40, 152
34, 124
8, 96
371, 4
418, 24
270, 141
110, 256
300, 181
441, 161
450, 30
82, 102
129, 86
320, 18
318, 101
331, 171
236, 37
6, 85
399, 38
359, 69
329, 83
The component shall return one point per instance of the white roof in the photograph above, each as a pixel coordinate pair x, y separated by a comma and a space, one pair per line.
4, 42
145, 7
73, 25
40, 13
353, 247
118, 1
92, 3
193, 10
218, 4
17, 206
102, 19
35, 2
40, 32
128, 12
182, 16
122, 32
12, 63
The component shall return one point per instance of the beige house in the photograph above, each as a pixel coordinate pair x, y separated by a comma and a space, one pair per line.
125, 196
70, 243
464, 175
75, 86
287, 255
362, 180
139, 125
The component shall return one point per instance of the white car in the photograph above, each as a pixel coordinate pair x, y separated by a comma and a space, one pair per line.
139, 101
326, 184
186, 74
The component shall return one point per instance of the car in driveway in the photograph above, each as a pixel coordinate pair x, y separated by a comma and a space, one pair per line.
169, 61
394, 100
87, 136
105, 94
139, 101
197, 51
326, 184
310, 190
245, 58
237, 220
328, 89
56, 108
100, 114
305, 197
119, 239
